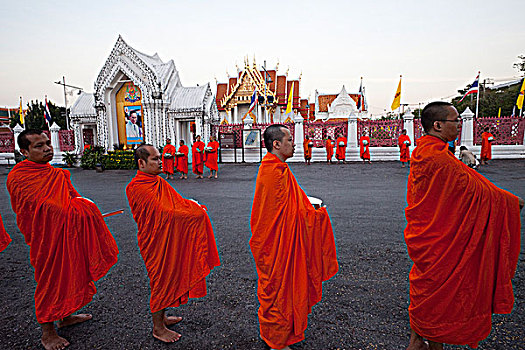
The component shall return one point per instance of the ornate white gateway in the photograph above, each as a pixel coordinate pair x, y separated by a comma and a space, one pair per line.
139, 98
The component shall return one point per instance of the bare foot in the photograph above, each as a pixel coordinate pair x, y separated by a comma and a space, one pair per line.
216, 177
53, 342
171, 320
209, 177
417, 342
73, 319
166, 335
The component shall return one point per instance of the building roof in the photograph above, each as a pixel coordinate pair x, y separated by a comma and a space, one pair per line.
189, 98
84, 106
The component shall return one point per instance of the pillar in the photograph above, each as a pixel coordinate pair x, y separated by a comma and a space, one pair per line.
235, 114
352, 131
467, 129
408, 124
299, 133
16, 131
54, 137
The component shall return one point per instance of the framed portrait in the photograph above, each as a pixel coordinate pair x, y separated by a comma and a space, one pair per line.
134, 129
251, 138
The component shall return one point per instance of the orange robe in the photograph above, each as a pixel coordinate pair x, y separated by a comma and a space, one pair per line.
294, 251
5, 239
463, 235
307, 149
70, 244
364, 150
404, 149
169, 164
329, 150
175, 238
340, 154
212, 156
197, 157
182, 161
486, 146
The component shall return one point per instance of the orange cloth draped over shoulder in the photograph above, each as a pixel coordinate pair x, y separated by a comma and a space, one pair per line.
340, 154
212, 156
329, 150
5, 239
294, 251
463, 235
197, 157
307, 149
364, 150
175, 238
169, 163
70, 244
486, 146
182, 161
404, 148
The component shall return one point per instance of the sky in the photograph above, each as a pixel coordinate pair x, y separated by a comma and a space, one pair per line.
437, 46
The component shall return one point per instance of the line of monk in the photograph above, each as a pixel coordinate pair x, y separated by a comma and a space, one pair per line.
340, 153
364, 148
462, 234
404, 148
329, 149
211, 162
307, 147
197, 157
486, 146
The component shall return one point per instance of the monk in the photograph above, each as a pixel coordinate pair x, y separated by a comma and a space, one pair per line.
197, 157
175, 238
307, 146
182, 160
404, 148
329, 149
168, 159
212, 157
486, 146
70, 244
292, 245
340, 154
364, 149
5, 239
463, 235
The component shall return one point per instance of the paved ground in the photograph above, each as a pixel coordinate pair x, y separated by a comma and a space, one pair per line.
364, 306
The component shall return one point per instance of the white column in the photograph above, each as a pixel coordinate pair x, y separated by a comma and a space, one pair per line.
260, 117
408, 124
467, 129
299, 133
17, 130
235, 114
248, 121
207, 130
352, 131
54, 137
198, 127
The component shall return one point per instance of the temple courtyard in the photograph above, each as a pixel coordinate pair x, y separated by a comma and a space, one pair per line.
364, 306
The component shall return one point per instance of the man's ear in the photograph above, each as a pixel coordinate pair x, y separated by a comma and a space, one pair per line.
24, 152
437, 125
142, 163
276, 144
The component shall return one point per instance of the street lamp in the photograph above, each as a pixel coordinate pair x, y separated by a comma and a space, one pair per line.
63, 83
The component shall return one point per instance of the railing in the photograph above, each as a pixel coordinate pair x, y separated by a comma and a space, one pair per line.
382, 133
7, 142
66, 140
419, 131
236, 129
319, 131
506, 130
263, 126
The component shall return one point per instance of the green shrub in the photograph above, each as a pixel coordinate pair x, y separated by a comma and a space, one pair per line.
70, 158
92, 156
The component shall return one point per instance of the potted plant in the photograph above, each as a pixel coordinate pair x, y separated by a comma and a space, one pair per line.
70, 159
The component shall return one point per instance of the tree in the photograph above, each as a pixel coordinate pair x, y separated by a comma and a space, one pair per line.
34, 118
520, 66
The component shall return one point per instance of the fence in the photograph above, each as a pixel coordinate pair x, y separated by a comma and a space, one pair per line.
263, 126
236, 129
506, 130
7, 142
382, 133
319, 131
66, 139
419, 131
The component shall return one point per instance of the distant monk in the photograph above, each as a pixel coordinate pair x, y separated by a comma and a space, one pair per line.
182, 160
292, 245
197, 157
463, 235
364, 149
70, 244
307, 146
340, 154
5, 239
486, 146
329, 149
168, 159
404, 148
175, 238
212, 155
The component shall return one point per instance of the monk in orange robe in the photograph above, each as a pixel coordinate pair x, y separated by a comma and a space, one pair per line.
364, 149
307, 147
329, 149
70, 244
292, 244
5, 239
404, 148
182, 160
168, 159
486, 146
463, 235
340, 153
197, 157
175, 238
212, 156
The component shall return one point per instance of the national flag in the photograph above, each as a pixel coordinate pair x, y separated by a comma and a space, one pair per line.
47, 114
290, 100
473, 88
253, 101
397, 98
499, 112
360, 97
519, 101
21, 112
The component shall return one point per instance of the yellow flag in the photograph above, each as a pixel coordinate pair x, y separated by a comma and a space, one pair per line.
21, 112
519, 102
397, 98
499, 112
290, 100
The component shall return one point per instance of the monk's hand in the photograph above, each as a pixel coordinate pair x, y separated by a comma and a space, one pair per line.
522, 202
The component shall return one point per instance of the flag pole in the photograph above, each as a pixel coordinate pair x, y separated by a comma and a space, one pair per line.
477, 98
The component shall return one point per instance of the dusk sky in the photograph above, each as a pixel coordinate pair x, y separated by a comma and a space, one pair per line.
437, 46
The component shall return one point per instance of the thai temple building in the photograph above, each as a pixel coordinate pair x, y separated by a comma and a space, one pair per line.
338, 106
140, 98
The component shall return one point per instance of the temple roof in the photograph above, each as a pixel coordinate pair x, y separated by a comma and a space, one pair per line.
189, 98
84, 106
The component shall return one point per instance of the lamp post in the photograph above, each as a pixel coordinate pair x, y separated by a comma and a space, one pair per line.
63, 83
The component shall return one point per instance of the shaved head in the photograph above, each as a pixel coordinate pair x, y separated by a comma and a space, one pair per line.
273, 133
434, 111
23, 141
141, 152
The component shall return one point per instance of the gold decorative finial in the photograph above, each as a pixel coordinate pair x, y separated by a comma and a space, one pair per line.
277, 66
